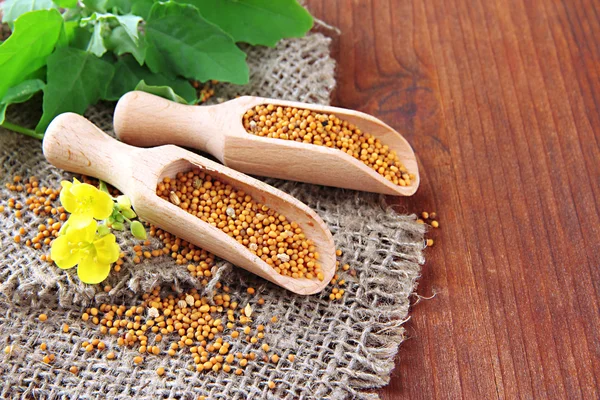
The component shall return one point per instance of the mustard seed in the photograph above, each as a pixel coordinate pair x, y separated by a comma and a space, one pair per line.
43, 317
111, 356
271, 385
435, 224
43, 346
160, 371
138, 359
74, 370
280, 243
310, 127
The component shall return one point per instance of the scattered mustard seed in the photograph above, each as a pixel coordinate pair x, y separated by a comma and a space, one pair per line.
43, 317
271, 385
160, 371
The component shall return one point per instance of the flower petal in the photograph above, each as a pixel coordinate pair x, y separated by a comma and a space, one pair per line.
102, 205
85, 233
67, 199
107, 250
91, 271
62, 255
81, 220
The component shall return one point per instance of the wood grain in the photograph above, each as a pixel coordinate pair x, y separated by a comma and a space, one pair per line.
500, 100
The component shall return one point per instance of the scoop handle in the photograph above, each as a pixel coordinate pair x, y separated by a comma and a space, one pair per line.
145, 120
73, 143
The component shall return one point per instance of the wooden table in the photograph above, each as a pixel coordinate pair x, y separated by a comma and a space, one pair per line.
501, 102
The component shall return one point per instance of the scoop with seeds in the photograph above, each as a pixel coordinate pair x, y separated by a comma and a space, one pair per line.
311, 152
75, 144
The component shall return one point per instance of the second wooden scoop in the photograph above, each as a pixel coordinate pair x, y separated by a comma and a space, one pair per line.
146, 120
73, 143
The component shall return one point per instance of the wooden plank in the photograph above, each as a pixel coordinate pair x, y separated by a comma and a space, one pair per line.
500, 100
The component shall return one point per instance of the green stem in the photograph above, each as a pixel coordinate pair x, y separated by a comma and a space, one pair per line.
23, 130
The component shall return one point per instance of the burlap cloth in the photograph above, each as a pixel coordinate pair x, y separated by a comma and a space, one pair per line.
342, 348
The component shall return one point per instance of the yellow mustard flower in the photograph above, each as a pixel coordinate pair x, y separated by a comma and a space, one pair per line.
82, 247
84, 202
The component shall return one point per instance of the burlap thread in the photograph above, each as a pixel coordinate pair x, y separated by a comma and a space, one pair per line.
342, 348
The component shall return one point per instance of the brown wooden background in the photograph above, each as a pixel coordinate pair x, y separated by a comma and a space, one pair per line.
501, 102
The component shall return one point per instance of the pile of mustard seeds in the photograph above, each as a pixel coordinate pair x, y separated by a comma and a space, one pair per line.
305, 126
265, 232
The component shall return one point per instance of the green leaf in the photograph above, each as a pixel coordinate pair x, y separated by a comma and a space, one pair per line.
128, 75
27, 49
67, 33
3, 108
162, 91
128, 22
96, 44
23, 91
120, 43
76, 79
81, 38
13, 9
65, 3
19, 94
142, 7
181, 41
125, 43
95, 5
262, 22
119, 6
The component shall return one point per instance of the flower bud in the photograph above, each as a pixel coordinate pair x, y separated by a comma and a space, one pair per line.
128, 213
103, 230
124, 201
138, 230
118, 226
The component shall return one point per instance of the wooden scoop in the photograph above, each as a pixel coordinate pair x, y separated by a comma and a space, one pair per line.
73, 143
145, 120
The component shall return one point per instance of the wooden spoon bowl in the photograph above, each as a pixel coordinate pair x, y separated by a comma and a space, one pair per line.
145, 120
73, 143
